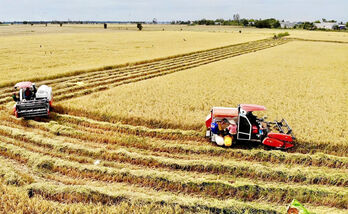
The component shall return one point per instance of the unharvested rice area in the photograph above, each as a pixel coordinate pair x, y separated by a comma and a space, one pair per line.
297, 81
24, 57
83, 83
88, 28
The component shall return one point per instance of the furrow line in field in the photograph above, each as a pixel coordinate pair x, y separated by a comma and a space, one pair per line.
110, 83
126, 68
319, 40
167, 182
105, 76
239, 169
14, 182
301, 146
55, 198
105, 132
13, 175
130, 69
64, 77
204, 59
62, 152
261, 155
88, 194
72, 186
152, 66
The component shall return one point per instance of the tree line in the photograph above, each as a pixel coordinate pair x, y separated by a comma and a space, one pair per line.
259, 23
236, 21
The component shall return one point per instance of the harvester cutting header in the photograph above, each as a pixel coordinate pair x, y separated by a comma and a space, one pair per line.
32, 102
226, 126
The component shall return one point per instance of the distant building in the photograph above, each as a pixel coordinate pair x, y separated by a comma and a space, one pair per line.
288, 24
326, 25
342, 27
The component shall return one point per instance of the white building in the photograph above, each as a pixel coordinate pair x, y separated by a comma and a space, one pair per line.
287, 24
326, 25
342, 27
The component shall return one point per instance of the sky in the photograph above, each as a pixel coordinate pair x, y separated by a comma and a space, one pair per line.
168, 10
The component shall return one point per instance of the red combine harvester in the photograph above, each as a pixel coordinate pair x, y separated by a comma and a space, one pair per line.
226, 126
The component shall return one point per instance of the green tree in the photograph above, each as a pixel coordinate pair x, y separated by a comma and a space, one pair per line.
205, 22
245, 22
347, 24
276, 24
267, 23
308, 26
262, 24
139, 26
335, 27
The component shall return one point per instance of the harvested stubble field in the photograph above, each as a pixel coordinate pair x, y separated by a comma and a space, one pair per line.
132, 139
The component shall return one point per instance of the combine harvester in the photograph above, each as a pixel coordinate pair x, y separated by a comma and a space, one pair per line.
226, 126
32, 102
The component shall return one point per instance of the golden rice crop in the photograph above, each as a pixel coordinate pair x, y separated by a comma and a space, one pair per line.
87, 28
298, 81
46, 55
140, 148
15, 200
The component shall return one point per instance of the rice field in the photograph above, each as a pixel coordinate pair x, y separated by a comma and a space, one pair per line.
129, 137
261, 77
48, 55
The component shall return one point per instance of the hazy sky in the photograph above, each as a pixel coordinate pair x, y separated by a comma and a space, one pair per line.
167, 10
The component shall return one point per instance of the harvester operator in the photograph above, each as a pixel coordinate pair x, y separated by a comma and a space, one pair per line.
28, 94
224, 131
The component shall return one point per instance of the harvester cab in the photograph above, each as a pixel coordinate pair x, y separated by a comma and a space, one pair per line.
248, 127
32, 102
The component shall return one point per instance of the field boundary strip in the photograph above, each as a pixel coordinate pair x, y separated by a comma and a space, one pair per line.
318, 40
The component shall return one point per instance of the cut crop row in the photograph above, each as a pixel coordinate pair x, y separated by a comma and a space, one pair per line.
180, 63
168, 182
17, 200
300, 147
239, 169
165, 64
178, 147
154, 193
87, 194
11, 176
259, 155
147, 63
110, 82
